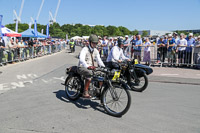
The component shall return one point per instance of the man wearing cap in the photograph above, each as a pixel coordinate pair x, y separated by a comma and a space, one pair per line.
116, 55
190, 44
127, 47
171, 49
89, 60
162, 49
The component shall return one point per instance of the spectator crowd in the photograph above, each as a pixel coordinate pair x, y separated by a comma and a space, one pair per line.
172, 50
20, 50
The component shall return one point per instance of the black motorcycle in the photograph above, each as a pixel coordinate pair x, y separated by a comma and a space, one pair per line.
113, 94
134, 74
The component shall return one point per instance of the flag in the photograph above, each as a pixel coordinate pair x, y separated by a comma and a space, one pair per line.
1, 17
35, 29
47, 30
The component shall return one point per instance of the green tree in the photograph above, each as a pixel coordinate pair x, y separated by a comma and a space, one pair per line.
85, 30
124, 30
135, 32
144, 33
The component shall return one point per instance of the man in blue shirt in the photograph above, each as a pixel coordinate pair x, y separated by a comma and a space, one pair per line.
162, 48
137, 48
171, 49
190, 44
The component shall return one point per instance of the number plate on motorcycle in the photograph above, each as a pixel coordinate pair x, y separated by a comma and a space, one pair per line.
116, 76
136, 61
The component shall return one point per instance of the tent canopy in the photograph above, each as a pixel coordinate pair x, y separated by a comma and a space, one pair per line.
9, 32
76, 37
30, 33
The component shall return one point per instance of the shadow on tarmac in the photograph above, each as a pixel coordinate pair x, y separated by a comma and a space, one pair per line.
80, 103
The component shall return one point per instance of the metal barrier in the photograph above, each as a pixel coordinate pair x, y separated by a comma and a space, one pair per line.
161, 56
178, 56
9, 55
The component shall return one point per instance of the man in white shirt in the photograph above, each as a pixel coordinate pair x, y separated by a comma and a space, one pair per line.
181, 44
116, 55
89, 60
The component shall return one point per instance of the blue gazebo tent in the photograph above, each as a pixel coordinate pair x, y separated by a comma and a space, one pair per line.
30, 33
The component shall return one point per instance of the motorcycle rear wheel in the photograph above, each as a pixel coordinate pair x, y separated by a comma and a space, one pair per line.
73, 87
141, 85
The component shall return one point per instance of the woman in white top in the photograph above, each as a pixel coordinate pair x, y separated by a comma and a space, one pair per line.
147, 50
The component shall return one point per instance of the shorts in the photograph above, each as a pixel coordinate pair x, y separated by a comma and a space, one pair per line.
85, 72
137, 53
171, 54
88, 74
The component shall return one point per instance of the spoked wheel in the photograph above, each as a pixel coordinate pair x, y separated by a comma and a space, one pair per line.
116, 101
73, 87
139, 85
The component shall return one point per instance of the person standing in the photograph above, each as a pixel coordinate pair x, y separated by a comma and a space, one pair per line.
21, 49
16, 50
181, 45
171, 49
190, 44
110, 43
162, 48
2, 46
30, 47
127, 47
137, 48
104, 44
147, 50
197, 53
25, 49
133, 41
176, 38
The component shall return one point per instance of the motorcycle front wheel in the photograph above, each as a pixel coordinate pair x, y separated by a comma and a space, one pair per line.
116, 101
139, 85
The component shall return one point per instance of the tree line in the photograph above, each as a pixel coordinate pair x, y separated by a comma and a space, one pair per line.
56, 30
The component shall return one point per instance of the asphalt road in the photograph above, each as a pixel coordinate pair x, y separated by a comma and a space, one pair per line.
32, 100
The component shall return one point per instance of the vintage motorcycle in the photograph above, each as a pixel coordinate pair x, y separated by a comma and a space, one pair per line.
113, 94
134, 74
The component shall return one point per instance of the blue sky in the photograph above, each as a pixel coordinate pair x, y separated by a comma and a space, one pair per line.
133, 14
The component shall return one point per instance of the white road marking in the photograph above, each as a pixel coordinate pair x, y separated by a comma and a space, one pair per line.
61, 78
169, 74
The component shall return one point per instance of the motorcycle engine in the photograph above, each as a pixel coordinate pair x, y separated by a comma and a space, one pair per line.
93, 89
